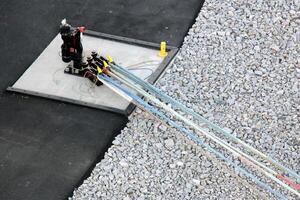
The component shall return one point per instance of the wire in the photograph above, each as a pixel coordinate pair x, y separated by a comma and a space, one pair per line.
190, 135
145, 63
142, 68
244, 157
199, 117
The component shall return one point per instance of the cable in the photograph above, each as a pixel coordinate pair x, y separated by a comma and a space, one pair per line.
199, 117
142, 68
190, 135
244, 157
144, 63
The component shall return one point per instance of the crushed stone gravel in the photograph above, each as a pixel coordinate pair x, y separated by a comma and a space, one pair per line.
239, 67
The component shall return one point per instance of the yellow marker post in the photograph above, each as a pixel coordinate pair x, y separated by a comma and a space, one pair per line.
163, 49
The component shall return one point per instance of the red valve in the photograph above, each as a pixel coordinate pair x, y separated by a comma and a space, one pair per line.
81, 29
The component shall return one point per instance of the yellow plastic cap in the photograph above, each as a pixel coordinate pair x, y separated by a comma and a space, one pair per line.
163, 49
110, 59
99, 70
105, 64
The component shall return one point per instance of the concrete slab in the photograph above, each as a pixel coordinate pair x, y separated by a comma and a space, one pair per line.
46, 77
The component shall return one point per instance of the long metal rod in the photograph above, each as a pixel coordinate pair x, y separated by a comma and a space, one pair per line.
177, 104
190, 135
244, 157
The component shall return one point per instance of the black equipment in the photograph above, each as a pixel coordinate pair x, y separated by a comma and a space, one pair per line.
71, 51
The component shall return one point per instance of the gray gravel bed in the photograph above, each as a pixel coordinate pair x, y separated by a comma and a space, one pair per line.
239, 66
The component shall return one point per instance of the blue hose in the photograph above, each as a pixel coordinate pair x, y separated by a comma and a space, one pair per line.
179, 105
190, 135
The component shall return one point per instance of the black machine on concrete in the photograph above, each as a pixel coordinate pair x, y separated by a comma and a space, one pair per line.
71, 51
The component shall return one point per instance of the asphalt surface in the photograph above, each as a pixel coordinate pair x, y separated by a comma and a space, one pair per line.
48, 147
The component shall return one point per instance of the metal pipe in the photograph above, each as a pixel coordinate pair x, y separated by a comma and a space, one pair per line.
215, 127
190, 135
269, 173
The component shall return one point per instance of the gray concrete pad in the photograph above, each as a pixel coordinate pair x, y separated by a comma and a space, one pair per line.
46, 77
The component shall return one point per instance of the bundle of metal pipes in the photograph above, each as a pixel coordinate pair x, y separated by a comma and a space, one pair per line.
165, 108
